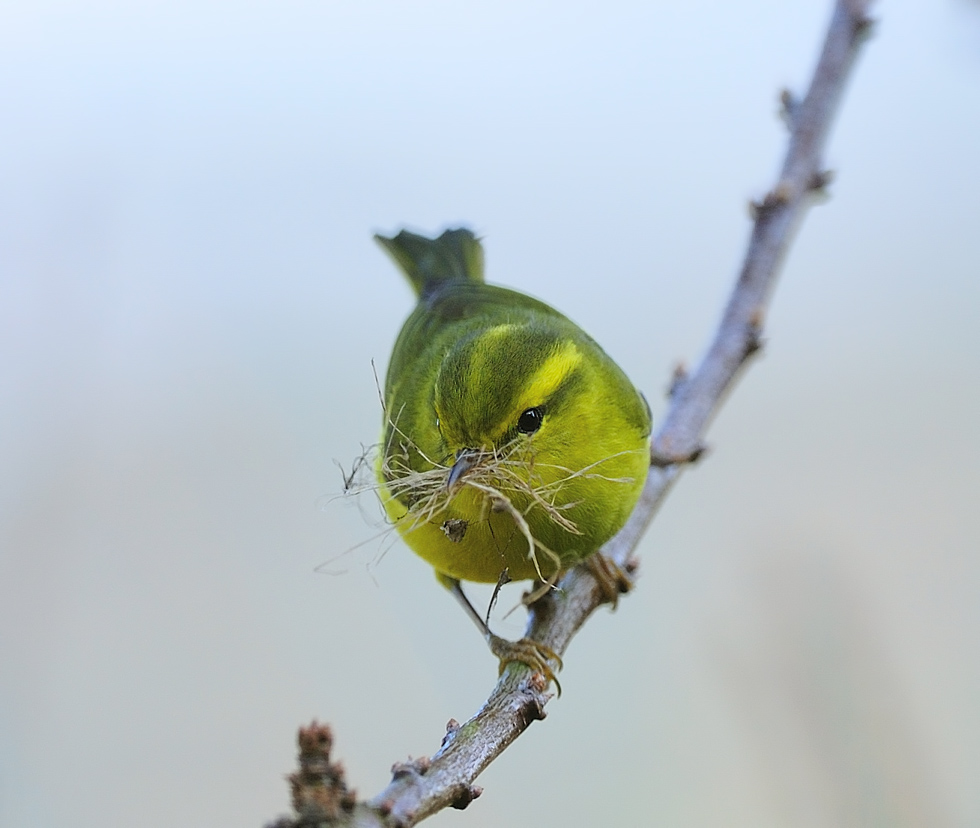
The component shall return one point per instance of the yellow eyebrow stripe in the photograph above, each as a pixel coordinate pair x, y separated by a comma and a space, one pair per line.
550, 375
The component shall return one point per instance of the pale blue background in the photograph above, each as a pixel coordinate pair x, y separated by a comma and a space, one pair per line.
189, 305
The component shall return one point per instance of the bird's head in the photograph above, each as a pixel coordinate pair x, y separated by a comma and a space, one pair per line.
506, 386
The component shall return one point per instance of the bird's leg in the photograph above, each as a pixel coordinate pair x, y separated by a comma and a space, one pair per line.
613, 579
535, 655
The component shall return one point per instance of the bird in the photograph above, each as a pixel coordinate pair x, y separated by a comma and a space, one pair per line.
513, 447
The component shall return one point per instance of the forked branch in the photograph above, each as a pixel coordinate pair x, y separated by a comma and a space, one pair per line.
421, 788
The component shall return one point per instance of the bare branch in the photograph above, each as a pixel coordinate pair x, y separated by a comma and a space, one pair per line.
421, 788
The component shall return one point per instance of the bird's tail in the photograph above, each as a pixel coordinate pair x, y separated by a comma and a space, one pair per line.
455, 255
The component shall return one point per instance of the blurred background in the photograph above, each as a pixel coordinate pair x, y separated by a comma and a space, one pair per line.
190, 303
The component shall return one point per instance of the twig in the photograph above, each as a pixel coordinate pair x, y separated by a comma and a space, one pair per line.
421, 788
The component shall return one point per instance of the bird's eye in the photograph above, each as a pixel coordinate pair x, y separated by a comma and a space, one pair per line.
530, 421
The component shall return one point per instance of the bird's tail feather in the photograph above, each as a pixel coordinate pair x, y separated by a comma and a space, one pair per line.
455, 255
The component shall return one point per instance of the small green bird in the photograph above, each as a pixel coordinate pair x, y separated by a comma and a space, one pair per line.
513, 447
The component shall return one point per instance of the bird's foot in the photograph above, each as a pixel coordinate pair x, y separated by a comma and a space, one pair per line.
613, 579
539, 657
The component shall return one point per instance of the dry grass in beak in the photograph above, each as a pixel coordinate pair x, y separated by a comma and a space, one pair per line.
506, 475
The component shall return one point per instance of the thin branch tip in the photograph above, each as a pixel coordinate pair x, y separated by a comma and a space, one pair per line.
318, 788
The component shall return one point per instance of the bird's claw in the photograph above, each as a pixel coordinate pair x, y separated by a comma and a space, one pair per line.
613, 580
534, 654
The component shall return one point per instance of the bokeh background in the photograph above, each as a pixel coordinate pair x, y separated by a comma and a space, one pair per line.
190, 303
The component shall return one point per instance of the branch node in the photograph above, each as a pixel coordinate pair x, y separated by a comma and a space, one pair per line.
753, 334
532, 708
677, 379
465, 796
661, 459
413, 767
864, 26
778, 196
789, 108
819, 181
452, 728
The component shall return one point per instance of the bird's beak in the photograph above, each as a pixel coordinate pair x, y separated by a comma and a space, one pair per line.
466, 459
